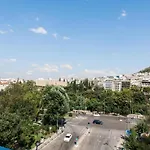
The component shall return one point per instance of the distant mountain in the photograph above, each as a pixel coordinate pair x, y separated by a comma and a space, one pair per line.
145, 70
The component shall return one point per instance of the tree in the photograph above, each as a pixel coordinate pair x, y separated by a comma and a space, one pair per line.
137, 142
56, 102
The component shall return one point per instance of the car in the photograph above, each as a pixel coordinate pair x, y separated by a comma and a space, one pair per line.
68, 137
96, 115
97, 122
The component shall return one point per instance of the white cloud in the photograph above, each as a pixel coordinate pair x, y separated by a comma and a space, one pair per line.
78, 65
11, 30
54, 35
12, 60
39, 30
3, 32
66, 38
30, 72
37, 19
47, 68
123, 14
67, 66
101, 72
34, 65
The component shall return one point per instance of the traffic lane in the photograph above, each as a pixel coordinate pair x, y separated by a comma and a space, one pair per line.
114, 139
78, 132
98, 137
59, 144
94, 139
77, 120
68, 145
108, 122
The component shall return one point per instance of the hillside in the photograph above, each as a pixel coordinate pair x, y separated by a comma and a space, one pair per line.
145, 70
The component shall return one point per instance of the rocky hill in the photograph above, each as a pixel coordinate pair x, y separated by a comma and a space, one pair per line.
145, 70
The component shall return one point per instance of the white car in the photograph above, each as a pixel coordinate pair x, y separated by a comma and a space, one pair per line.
68, 137
96, 115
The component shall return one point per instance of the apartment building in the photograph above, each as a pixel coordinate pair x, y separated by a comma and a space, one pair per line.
145, 83
108, 84
117, 85
125, 84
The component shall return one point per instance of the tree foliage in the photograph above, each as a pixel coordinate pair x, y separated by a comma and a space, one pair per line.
97, 99
136, 141
20, 112
56, 102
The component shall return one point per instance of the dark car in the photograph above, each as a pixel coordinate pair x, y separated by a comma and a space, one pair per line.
97, 122
61, 122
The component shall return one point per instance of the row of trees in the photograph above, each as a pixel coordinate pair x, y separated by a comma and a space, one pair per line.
28, 113
86, 96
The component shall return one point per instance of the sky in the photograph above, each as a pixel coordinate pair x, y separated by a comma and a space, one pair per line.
73, 38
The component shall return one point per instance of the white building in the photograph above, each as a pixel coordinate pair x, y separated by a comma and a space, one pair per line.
108, 84
117, 85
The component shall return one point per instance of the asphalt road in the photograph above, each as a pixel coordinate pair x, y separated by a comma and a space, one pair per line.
99, 135
74, 127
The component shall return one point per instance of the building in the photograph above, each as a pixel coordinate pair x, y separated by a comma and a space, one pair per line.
43, 82
117, 85
108, 84
3, 84
125, 85
145, 83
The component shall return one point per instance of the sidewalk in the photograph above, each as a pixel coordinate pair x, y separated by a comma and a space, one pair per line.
45, 142
48, 140
119, 145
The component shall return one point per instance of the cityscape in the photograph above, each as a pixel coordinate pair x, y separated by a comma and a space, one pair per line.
114, 83
74, 75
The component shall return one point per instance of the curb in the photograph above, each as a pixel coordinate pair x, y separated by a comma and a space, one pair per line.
48, 140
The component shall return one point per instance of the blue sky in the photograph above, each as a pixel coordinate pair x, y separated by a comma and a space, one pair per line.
82, 38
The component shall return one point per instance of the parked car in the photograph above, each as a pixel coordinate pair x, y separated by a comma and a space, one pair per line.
97, 122
96, 115
61, 121
68, 137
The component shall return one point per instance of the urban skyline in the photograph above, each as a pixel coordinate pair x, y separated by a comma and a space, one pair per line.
83, 38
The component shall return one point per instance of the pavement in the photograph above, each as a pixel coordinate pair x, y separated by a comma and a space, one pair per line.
101, 137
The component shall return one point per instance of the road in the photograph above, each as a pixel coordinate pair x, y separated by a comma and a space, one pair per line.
101, 137
75, 127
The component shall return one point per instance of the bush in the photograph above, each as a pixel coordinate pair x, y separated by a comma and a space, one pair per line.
70, 114
54, 129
